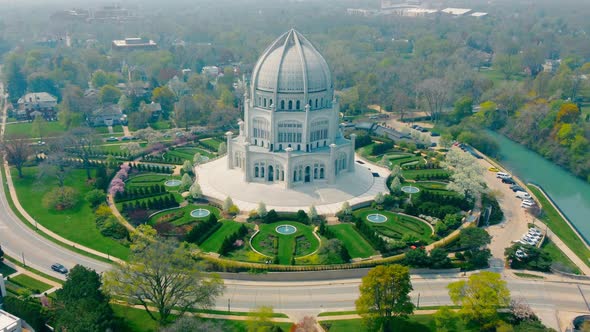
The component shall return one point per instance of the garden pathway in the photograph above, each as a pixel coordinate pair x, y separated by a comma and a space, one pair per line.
117, 214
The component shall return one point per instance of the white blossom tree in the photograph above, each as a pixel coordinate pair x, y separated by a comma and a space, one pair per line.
379, 198
197, 159
395, 185
396, 171
227, 204
467, 174
346, 209
185, 182
261, 209
222, 149
187, 166
313, 212
195, 191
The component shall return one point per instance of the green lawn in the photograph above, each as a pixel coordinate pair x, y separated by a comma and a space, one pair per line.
214, 142
137, 320
6, 270
498, 77
105, 130
560, 227
356, 245
415, 323
30, 283
286, 242
213, 242
186, 218
48, 129
76, 224
559, 257
397, 225
160, 125
149, 179
187, 153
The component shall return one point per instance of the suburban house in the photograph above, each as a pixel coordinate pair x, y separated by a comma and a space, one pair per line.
9, 323
155, 110
135, 43
38, 103
107, 115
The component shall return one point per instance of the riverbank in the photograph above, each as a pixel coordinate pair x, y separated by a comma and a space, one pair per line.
569, 192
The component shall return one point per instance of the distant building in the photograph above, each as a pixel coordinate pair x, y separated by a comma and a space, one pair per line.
107, 115
361, 12
39, 102
211, 71
155, 110
10, 323
479, 14
551, 66
112, 13
134, 43
71, 15
418, 12
456, 11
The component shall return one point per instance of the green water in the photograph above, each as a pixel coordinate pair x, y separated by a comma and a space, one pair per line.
570, 193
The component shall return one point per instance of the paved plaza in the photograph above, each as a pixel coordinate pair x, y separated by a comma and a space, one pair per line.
361, 186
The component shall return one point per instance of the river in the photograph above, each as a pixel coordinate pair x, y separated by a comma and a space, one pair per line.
570, 193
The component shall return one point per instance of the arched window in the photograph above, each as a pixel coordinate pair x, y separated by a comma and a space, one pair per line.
259, 101
264, 102
298, 105
270, 103
316, 103
256, 171
262, 171
309, 103
290, 105
322, 104
321, 173
282, 104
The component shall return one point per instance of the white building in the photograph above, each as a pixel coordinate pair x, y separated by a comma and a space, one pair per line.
456, 11
9, 323
290, 133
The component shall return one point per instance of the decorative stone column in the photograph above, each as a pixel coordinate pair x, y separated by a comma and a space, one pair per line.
334, 131
230, 164
241, 126
306, 142
332, 168
2, 286
288, 176
246, 162
246, 116
351, 164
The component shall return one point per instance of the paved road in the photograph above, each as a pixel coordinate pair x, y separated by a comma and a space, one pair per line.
315, 297
18, 239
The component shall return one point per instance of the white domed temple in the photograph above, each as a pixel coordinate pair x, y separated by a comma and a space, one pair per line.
290, 152
290, 133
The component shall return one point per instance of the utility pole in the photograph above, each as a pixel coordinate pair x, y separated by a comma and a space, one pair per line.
418, 304
228, 305
23, 256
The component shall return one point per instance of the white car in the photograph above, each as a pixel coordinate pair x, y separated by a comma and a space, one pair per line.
529, 201
523, 195
502, 175
526, 205
520, 253
535, 231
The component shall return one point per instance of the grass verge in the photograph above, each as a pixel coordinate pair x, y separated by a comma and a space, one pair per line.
30, 283
561, 227
356, 245
37, 272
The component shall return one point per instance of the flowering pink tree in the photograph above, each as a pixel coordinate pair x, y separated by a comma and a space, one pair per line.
123, 173
117, 186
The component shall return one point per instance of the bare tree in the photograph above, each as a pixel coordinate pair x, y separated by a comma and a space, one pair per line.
17, 152
80, 142
435, 92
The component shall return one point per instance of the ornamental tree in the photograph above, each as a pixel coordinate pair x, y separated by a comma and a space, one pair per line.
385, 294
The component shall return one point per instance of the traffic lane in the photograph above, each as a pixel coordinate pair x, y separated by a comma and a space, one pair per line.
19, 240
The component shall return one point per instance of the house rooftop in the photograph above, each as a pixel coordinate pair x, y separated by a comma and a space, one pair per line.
8, 322
456, 11
38, 97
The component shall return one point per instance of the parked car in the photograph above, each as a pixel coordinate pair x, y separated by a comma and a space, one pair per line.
508, 181
523, 195
529, 201
526, 205
535, 231
433, 134
502, 175
493, 169
112, 139
520, 253
516, 188
59, 268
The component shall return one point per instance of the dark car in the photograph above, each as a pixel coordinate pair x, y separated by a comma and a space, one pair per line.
516, 188
508, 181
59, 268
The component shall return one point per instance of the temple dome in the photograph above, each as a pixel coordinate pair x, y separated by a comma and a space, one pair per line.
291, 65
